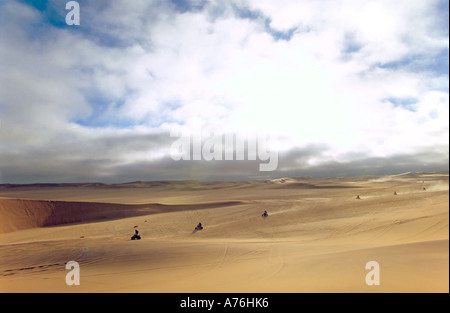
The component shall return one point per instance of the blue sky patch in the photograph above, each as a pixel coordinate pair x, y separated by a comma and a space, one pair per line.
351, 44
405, 103
436, 64
183, 6
102, 111
255, 15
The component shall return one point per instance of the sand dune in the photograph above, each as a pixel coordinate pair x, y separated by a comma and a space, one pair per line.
20, 214
317, 237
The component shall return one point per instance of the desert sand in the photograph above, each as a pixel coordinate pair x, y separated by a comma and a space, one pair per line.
318, 236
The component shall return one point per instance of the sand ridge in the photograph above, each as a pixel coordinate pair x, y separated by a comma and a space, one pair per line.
317, 237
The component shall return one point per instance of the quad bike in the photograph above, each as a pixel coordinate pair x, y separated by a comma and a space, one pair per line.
198, 227
136, 237
264, 215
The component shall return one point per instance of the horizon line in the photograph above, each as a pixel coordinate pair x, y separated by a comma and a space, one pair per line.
53, 184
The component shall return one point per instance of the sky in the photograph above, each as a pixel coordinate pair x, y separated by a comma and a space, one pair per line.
334, 87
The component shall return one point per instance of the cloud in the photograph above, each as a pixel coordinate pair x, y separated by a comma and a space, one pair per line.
67, 165
331, 80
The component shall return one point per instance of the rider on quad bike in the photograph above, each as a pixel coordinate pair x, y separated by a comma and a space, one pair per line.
136, 235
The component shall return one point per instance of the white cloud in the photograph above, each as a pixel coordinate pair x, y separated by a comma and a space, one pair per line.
145, 67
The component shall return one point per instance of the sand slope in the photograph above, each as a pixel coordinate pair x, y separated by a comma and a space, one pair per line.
20, 214
318, 236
